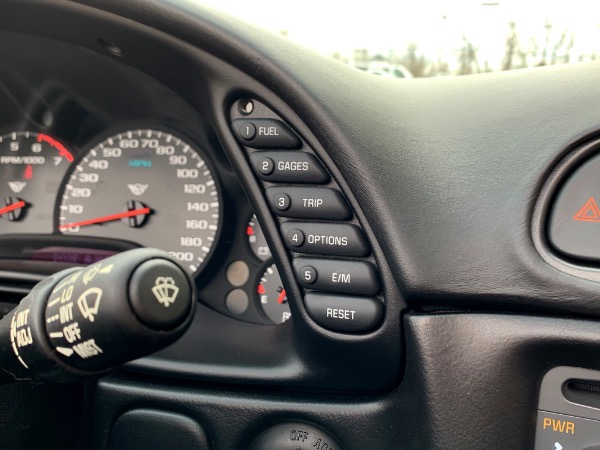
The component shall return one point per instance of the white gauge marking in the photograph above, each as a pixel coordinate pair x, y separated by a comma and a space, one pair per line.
153, 164
53, 318
65, 351
53, 302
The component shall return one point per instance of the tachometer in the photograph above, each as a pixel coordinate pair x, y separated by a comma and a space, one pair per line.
148, 187
32, 166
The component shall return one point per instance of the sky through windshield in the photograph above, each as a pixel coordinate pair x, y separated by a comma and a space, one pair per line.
433, 37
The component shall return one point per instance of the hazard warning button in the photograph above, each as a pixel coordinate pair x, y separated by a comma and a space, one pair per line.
574, 225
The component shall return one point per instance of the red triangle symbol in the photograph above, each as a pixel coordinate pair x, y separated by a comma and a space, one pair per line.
589, 212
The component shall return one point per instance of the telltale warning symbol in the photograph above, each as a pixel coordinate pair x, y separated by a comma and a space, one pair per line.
589, 212
165, 290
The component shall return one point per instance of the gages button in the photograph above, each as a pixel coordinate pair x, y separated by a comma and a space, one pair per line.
289, 167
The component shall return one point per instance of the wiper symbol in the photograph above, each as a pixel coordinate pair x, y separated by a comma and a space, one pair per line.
165, 290
89, 308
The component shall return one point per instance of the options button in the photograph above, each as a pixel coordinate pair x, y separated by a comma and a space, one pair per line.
325, 238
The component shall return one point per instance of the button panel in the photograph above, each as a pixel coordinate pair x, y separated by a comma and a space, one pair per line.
336, 275
342, 313
265, 133
289, 167
308, 203
337, 239
298, 186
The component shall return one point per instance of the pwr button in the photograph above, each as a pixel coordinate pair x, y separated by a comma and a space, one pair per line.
559, 431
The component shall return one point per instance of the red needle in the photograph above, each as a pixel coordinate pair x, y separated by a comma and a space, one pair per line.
133, 213
12, 207
281, 297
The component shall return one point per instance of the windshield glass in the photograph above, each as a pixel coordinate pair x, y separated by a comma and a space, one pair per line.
427, 38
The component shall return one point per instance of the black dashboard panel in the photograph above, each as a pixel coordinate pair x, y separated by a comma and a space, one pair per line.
442, 176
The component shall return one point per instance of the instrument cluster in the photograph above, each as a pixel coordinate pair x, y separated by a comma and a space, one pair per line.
91, 166
146, 187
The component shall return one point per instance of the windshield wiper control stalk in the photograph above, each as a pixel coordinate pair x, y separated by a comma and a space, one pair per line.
84, 322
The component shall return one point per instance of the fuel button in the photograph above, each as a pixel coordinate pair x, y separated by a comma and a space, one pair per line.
265, 133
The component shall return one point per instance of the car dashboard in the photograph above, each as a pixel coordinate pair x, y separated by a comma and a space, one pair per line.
379, 263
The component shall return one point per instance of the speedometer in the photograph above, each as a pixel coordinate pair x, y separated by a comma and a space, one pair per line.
145, 186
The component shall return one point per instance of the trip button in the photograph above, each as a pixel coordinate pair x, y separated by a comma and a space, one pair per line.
265, 133
281, 202
309, 203
344, 277
346, 314
289, 167
325, 238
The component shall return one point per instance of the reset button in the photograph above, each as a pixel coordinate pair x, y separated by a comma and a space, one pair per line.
343, 313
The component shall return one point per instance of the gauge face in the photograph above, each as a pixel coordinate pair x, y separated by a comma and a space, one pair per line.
256, 239
32, 165
272, 297
148, 187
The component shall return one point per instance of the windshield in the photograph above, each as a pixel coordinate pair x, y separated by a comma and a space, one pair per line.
428, 38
